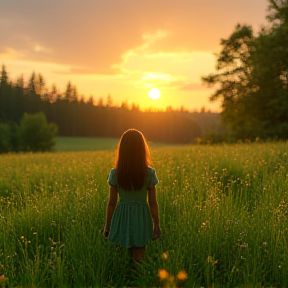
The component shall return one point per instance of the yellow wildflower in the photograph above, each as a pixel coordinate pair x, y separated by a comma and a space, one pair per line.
165, 256
2, 278
182, 275
163, 274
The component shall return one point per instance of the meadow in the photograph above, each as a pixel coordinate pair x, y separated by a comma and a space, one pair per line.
223, 216
76, 144
73, 144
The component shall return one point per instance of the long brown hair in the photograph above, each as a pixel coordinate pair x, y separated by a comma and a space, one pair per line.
132, 160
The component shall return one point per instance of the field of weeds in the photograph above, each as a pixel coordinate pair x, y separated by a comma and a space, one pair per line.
223, 212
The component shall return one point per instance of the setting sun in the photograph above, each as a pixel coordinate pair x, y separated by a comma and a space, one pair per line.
154, 93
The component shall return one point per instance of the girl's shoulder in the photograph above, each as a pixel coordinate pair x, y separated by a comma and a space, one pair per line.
113, 170
152, 177
150, 171
112, 180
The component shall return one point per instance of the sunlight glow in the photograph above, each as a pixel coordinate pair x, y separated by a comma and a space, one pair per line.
154, 93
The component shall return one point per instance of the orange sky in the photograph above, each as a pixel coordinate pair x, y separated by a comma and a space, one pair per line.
123, 47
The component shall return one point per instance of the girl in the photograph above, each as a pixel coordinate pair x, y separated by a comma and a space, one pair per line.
129, 222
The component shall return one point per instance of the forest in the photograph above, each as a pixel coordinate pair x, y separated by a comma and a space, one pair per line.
76, 117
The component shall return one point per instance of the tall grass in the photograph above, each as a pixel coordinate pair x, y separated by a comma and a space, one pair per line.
223, 215
69, 144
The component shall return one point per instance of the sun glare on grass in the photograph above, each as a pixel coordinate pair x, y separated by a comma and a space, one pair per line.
154, 93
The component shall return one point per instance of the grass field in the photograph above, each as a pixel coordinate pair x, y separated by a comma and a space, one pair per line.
65, 144
223, 215
69, 144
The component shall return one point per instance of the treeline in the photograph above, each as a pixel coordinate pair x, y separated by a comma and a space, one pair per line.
76, 117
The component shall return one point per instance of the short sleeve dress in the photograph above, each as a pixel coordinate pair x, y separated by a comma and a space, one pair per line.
131, 223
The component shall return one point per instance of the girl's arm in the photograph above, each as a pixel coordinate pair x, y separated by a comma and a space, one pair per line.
111, 205
153, 204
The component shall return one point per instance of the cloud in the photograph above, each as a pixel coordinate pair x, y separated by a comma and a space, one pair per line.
9, 53
193, 87
165, 70
75, 70
161, 81
95, 34
41, 49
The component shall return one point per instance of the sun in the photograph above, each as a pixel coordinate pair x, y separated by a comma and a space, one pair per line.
154, 93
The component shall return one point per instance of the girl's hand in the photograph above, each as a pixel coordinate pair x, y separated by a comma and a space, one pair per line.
106, 233
157, 232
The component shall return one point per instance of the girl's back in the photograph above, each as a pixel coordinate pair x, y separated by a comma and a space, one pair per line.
134, 196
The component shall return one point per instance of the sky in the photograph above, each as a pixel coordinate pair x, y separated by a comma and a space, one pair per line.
123, 48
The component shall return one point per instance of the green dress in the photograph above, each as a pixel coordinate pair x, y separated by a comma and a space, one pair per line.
131, 223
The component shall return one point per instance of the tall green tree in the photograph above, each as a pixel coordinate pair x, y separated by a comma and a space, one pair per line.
252, 77
232, 81
5, 145
6, 100
36, 134
270, 73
